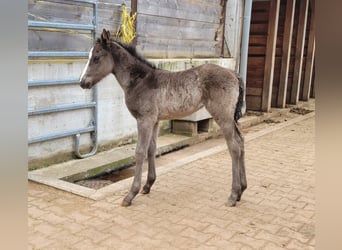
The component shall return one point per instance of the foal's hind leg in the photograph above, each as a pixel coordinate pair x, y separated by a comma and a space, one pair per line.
235, 146
243, 178
151, 153
145, 128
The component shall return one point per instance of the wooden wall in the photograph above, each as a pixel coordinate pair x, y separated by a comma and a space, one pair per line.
165, 28
257, 54
179, 29
66, 11
280, 67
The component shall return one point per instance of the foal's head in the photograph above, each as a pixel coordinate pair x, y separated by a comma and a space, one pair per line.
100, 62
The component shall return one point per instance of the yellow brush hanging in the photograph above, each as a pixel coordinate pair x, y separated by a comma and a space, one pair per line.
126, 31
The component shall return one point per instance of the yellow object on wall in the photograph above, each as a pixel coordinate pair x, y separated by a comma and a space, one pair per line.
126, 32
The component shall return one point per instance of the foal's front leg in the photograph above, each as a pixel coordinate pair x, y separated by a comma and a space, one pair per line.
145, 128
151, 154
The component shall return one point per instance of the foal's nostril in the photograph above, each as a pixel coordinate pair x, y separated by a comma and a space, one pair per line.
86, 84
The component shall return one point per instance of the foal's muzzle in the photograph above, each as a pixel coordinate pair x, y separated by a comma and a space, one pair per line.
86, 83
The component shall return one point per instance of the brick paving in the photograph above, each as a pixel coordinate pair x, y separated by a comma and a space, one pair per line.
186, 207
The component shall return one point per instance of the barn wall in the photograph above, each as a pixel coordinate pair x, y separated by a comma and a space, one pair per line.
281, 54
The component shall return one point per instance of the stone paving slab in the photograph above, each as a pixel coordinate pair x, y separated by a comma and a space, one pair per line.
186, 207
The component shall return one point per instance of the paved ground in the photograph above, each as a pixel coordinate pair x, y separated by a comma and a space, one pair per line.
186, 208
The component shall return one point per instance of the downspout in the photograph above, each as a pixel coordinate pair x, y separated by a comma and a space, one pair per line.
244, 46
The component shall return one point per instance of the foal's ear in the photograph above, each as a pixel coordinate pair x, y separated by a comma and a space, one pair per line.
105, 37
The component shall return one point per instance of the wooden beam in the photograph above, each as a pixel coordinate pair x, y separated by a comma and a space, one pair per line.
223, 20
286, 55
270, 55
300, 43
134, 9
310, 56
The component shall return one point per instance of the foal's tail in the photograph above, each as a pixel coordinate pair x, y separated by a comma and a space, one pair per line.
238, 111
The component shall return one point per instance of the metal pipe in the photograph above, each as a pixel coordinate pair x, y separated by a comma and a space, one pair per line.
61, 108
43, 83
94, 134
58, 54
73, 26
93, 128
244, 46
60, 135
86, 1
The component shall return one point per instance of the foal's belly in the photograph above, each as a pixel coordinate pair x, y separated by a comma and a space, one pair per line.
168, 114
173, 108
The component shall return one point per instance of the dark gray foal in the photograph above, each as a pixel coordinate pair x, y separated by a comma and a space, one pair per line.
153, 94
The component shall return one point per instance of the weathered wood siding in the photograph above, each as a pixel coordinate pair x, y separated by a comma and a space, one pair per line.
109, 17
178, 29
309, 55
293, 58
279, 53
257, 54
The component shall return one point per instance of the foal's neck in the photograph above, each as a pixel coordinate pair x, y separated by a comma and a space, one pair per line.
128, 68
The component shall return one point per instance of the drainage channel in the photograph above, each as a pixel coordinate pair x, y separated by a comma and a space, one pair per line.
117, 174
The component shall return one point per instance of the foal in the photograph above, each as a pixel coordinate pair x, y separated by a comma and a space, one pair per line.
153, 94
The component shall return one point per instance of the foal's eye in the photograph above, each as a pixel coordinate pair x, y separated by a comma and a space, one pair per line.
96, 59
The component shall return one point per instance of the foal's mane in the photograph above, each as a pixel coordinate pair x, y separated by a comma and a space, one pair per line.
133, 52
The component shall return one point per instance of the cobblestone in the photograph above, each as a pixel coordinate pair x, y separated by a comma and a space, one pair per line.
186, 207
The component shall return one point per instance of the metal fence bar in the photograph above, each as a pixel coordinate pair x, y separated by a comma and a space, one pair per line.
61, 135
77, 133
58, 54
68, 107
73, 26
42, 83
86, 1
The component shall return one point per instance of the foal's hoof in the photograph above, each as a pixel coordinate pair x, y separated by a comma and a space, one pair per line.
145, 190
230, 203
126, 203
233, 198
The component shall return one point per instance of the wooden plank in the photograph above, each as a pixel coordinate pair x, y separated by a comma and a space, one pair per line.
270, 55
253, 91
259, 17
173, 28
259, 28
175, 48
257, 40
134, 10
261, 6
64, 40
42, 39
310, 56
61, 11
253, 103
256, 51
286, 54
312, 91
192, 10
179, 28
300, 43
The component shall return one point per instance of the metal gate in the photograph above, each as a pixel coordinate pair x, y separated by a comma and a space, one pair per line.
92, 128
